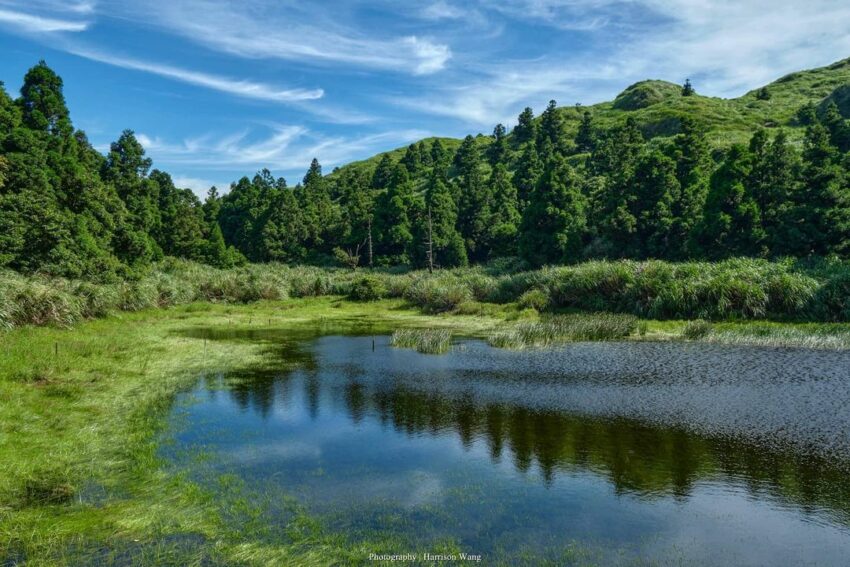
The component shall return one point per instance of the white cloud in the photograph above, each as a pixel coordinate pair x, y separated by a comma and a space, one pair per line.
300, 32
727, 46
199, 186
442, 10
287, 149
248, 89
30, 23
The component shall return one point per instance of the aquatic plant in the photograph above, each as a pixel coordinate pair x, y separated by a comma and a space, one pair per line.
564, 328
428, 341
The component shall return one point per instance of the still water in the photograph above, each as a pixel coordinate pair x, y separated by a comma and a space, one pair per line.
612, 453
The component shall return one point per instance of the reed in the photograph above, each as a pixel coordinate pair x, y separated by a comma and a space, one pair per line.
565, 328
428, 341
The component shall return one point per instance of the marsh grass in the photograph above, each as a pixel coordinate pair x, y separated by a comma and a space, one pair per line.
736, 289
695, 330
559, 329
428, 341
817, 337
82, 481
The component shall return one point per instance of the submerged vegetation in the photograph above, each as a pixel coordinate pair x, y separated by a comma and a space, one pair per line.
428, 341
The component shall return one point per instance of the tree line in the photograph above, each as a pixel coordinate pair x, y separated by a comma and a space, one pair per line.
535, 193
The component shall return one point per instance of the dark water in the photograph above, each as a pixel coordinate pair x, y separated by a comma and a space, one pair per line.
629, 452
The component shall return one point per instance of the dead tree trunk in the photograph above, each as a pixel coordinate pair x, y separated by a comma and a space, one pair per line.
369, 239
430, 243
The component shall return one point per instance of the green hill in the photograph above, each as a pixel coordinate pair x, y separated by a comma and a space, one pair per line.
658, 107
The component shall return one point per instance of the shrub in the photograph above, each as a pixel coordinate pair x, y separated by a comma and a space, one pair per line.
36, 303
367, 288
534, 299
695, 330
97, 300
437, 294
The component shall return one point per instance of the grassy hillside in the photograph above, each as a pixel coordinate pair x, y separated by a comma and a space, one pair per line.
658, 106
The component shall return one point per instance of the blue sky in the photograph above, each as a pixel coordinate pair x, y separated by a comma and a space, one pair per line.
217, 90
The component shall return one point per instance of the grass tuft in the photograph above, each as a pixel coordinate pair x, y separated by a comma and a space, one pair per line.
565, 328
428, 341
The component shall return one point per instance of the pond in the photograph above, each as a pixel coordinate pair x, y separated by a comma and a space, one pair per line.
612, 453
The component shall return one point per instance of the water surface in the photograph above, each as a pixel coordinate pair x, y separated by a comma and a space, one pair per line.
666, 453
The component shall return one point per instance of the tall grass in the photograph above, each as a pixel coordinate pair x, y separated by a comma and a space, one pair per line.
564, 328
428, 341
737, 289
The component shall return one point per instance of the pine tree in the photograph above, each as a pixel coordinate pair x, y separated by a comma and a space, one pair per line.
321, 217
693, 164
126, 168
656, 192
412, 159
473, 199
687, 88
526, 129
554, 222
586, 136
505, 219
43, 102
440, 158
552, 129
772, 183
448, 246
839, 131
285, 229
394, 217
731, 224
614, 160
384, 172
822, 205
528, 173
498, 151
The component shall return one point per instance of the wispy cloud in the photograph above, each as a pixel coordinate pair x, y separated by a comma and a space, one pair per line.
442, 10
31, 23
292, 32
727, 46
243, 88
282, 148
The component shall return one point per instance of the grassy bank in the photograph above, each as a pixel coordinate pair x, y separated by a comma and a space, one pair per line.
738, 289
80, 480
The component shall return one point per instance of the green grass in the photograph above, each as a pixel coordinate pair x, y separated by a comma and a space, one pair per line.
428, 341
81, 409
80, 413
564, 328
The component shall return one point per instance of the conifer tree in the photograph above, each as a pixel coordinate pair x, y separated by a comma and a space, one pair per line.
687, 88
505, 219
384, 172
526, 129
656, 192
731, 223
498, 150
552, 129
554, 222
693, 165
473, 199
586, 136
528, 173
448, 246
395, 213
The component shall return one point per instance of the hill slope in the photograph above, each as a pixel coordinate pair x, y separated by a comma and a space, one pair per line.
658, 107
